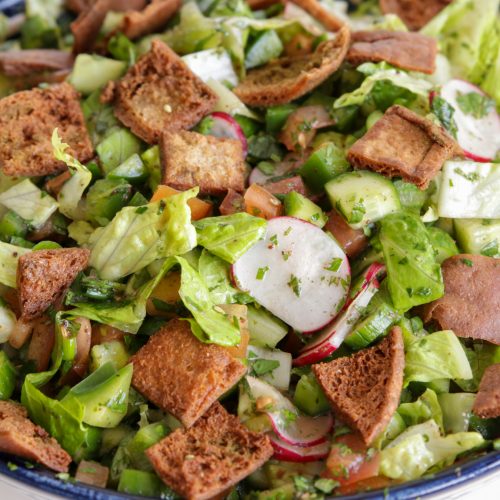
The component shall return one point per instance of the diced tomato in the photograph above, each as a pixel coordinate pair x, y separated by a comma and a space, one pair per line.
352, 241
287, 185
350, 462
261, 203
300, 127
199, 208
232, 203
369, 484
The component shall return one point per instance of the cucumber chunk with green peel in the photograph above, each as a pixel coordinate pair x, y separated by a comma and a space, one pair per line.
106, 197
276, 117
478, 236
362, 197
138, 482
265, 329
116, 147
132, 170
309, 397
266, 46
301, 207
7, 377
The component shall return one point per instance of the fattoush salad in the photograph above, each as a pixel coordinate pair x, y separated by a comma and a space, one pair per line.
249, 249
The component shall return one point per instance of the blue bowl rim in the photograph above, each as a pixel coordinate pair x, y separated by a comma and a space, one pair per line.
452, 477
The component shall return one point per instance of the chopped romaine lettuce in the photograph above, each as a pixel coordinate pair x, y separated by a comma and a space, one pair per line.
423, 409
212, 63
480, 356
80, 231
434, 356
230, 236
29, 202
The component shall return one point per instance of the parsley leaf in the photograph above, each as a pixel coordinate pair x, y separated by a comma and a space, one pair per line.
263, 366
475, 104
444, 113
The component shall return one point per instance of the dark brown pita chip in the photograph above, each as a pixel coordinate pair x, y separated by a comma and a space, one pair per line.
214, 164
409, 51
161, 93
487, 403
27, 120
44, 275
404, 144
289, 78
324, 16
414, 13
210, 457
182, 375
27, 62
21, 437
471, 302
364, 389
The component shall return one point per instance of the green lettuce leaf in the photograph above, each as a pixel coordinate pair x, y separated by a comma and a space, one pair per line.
423, 409
435, 356
383, 72
230, 236
413, 275
215, 273
72, 191
80, 231
9, 255
29, 202
480, 356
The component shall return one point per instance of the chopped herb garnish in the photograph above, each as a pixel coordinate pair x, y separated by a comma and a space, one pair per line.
326, 485
444, 112
490, 249
475, 104
274, 239
261, 272
467, 262
141, 210
472, 176
357, 213
288, 231
334, 265
286, 254
295, 285
263, 366
12, 466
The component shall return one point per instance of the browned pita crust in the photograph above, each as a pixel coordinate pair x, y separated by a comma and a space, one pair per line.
414, 13
289, 78
404, 144
210, 457
487, 403
364, 389
329, 20
410, 51
26, 62
471, 302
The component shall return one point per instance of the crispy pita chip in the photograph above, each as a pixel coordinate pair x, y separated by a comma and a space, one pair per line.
414, 13
410, 51
471, 302
210, 457
289, 78
324, 16
487, 403
364, 389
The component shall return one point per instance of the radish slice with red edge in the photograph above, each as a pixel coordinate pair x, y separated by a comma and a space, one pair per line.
290, 453
333, 336
225, 126
477, 134
297, 272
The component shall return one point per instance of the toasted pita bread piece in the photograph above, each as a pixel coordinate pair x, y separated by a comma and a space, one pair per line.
78, 6
210, 457
27, 120
364, 389
44, 275
414, 13
487, 403
289, 78
19, 436
410, 51
404, 144
161, 93
471, 302
323, 15
262, 4
182, 375
26, 62
214, 164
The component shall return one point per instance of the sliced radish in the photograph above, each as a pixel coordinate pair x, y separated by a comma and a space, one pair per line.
333, 335
297, 272
225, 126
290, 453
373, 273
304, 431
478, 137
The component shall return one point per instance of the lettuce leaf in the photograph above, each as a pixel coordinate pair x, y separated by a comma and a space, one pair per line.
29, 202
230, 236
380, 72
480, 356
9, 255
426, 407
80, 231
435, 356
72, 191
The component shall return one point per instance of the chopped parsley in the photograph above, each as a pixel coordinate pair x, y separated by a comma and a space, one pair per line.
286, 254
140, 210
288, 231
334, 265
467, 262
295, 285
274, 239
444, 112
263, 366
261, 272
471, 177
475, 104
357, 213
490, 249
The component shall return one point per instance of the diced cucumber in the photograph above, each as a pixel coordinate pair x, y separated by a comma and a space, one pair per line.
113, 352
444, 245
7, 377
151, 159
457, 409
265, 329
372, 327
132, 170
111, 438
439, 385
12, 224
90, 72
7, 320
266, 46
324, 164
117, 147
363, 197
301, 207
489, 428
478, 236
137, 482
276, 117
106, 197
309, 397
144, 438
346, 118
394, 428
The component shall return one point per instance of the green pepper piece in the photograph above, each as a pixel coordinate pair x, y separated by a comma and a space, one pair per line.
277, 116
12, 224
7, 377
